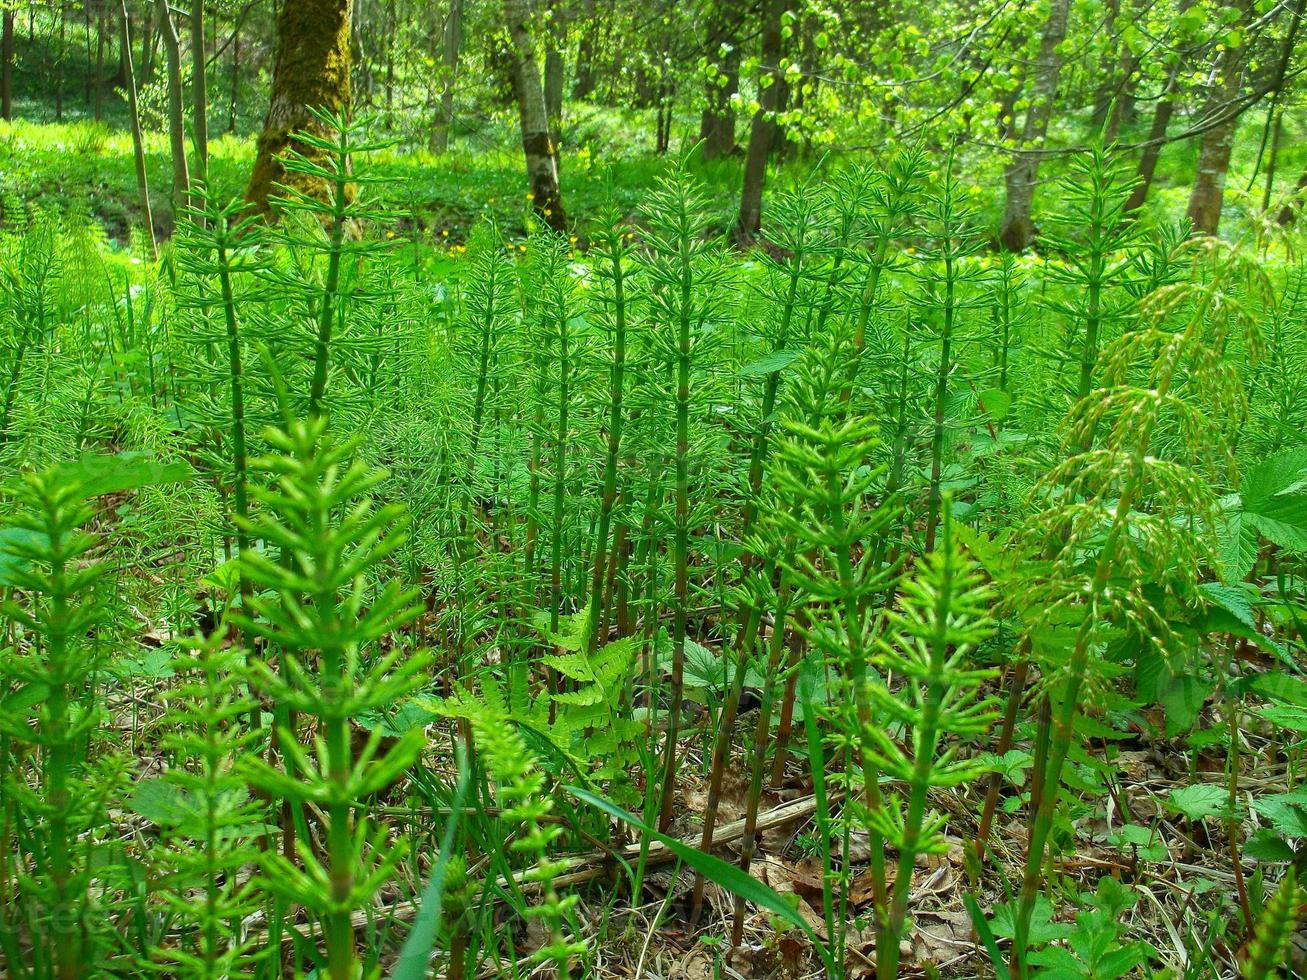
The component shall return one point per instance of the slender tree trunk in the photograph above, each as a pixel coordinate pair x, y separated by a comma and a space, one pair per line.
59, 65
199, 91
1289, 212
99, 63
1156, 137
1109, 84
181, 180
311, 68
235, 76
554, 68
1277, 135
451, 48
717, 125
762, 132
7, 68
138, 144
91, 75
1272, 131
1217, 143
538, 146
1018, 229
147, 47
583, 73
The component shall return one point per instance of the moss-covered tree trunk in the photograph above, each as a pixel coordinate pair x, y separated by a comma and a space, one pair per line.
537, 140
311, 69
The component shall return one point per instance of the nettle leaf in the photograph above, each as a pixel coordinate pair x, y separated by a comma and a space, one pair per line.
1183, 698
1011, 765
1199, 801
1265, 845
99, 474
1233, 599
1274, 499
1237, 547
1284, 812
1145, 842
411, 714
770, 363
1281, 687
152, 663
11, 563
161, 802
994, 402
1290, 716
1042, 927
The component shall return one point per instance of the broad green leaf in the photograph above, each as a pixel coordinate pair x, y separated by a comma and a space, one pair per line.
1233, 600
1042, 927
1281, 687
1142, 841
99, 475
161, 802
1284, 812
1266, 845
1237, 547
1183, 698
9, 561
1290, 716
994, 402
770, 363
1198, 801
1274, 501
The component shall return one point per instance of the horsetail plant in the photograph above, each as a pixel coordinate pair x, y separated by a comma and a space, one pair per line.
824, 468
54, 660
945, 293
611, 272
559, 342
323, 210
316, 611
685, 274
930, 638
803, 237
1120, 557
218, 244
521, 795
26, 281
1267, 950
1090, 233
209, 818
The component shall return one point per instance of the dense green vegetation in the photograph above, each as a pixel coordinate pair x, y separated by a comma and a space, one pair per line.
396, 584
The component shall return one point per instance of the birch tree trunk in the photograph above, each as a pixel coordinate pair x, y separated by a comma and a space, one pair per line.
1018, 228
538, 146
1207, 196
311, 68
